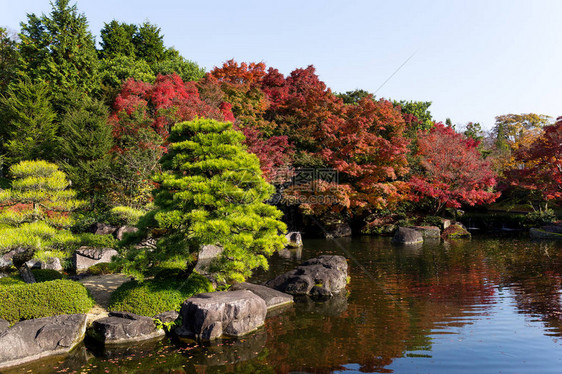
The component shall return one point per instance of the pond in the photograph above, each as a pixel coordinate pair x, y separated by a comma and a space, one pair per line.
489, 305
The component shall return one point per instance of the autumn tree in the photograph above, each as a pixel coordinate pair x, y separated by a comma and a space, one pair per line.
453, 171
212, 192
142, 117
538, 167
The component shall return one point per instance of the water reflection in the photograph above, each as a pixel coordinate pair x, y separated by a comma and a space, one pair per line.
485, 305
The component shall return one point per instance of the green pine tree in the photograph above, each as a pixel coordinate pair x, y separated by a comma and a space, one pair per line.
59, 49
35, 211
29, 130
213, 192
84, 145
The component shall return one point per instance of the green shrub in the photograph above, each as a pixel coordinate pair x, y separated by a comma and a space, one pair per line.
27, 301
96, 241
11, 280
539, 218
104, 268
154, 296
433, 221
125, 215
46, 275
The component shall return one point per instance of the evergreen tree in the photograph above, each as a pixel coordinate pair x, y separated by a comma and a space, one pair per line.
34, 212
149, 43
175, 63
85, 142
28, 130
8, 58
213, 192
59, 49
117, 39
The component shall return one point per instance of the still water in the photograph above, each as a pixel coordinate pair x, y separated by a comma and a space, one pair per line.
483, 306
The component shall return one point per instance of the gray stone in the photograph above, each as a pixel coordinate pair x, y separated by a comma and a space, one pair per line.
428, 232
52, 263
405, 235
123, 327
337, 230
167, 317
6, 260
85, 257
204, 259
148, 243
294, 239
272, 298
322, 276
3, 325
37, 338
446, 223
121, 231
26, 274
102, 229
209, 316
543, 234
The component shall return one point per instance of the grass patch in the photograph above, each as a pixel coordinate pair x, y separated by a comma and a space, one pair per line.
153, 296
28, 301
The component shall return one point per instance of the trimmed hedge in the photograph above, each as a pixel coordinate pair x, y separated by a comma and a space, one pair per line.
46, 275
28, 301
154, 296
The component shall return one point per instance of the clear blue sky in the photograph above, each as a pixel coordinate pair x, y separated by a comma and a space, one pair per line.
473, 59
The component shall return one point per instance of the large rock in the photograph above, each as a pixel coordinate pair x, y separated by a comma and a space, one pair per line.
272, 298
405, 235
102, 229
428, 232
3, 325
52, 263
294, 239
6, 260
123, 327
167, 317
456, 231
37, 338
209, 316
121, 231
85, 257
543, 234
321, 276
337, 230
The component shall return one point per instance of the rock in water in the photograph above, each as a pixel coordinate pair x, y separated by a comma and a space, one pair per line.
123, 327
322, 276
37, 338
405, 235
272, 298
209, 316
294, 239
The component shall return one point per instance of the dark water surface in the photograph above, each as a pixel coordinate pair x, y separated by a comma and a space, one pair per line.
481, 306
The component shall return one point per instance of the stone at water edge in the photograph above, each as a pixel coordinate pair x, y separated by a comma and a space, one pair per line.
37, 338
322, 276
123, 327
428, 232
272, 298
167, 317
294, 239
336, 230
209, 316
405, 235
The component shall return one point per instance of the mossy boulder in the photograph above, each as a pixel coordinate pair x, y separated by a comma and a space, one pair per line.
456, 231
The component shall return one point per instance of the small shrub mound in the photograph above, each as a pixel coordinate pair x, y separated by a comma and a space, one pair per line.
104, 268
27, 301
46, 275
153, 296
